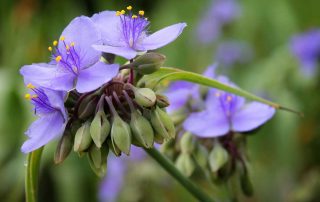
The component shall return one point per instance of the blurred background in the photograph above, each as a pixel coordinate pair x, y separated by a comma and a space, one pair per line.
261, 45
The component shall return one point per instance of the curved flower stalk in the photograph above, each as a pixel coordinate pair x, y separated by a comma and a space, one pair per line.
74, 64
52, 117
126, 34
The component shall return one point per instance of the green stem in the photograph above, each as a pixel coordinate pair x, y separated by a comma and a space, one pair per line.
32, 174
170, 168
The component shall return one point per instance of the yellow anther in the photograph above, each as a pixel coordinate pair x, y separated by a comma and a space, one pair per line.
50, 48
229, 98
141, 13
122, 12
134, 16
62, 38
58, 58
67, 47
30, 86
129, 8
55, 43
72, 44
118, 13
27, 96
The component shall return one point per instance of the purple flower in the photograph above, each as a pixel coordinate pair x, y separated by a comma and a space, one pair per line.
117, 167
180, 92
49, 107
227, 112
220, 13
231, 53
306, 47
74, 62
127, 34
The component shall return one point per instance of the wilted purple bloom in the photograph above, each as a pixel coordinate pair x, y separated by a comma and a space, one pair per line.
231, 53
49, 107
126, 35
180, 92
117, 168
227, 112
220, 13
74, 62
306, 47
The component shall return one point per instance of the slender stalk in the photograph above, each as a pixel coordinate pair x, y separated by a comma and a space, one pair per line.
174, 172
32, 174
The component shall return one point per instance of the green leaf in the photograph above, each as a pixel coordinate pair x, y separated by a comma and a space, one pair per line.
173, 74
32, 174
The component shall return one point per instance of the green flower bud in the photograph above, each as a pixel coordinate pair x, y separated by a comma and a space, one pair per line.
99, 128
218, 157
98, 159
201, 156
64, 147
115, 150
82, 139
187, 143
144, 97
148, 63
245, 182
185, 164
162, 101
158, 138
121, 135
141, 129
162, 123
87, 106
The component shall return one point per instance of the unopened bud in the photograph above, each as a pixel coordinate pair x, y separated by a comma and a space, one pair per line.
201, 156
98, 159
99, 128
148, 63
121, 135
64, 147
187, 143
162, 123
245, 182
82, 139
218, 157
185, 164
142, 130
115, 150
162, 101
144, 97
87, 106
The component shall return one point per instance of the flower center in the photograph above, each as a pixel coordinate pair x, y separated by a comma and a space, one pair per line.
133, 26
66, 55
227, 102
40, 100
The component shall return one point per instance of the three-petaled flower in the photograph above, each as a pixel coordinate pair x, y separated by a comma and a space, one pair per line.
74, 62
127, 34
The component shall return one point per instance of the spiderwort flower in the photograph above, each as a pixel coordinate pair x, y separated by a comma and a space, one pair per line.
306, 47
227, 112
127, 34
74, 62
49, 107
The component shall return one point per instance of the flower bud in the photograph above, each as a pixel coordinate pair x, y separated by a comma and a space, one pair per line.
162, 123
99, 128
98, 159
187, 143
245, 182
218, 157
142, 130
201, 156
144, 97
64, 147
82, 139
121, 135
115, 150
162, 101
148, 63
185, 164
87, 106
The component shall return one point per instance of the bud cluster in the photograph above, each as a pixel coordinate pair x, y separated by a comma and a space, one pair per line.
115, 116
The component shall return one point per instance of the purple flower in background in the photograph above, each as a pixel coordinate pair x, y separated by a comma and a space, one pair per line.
226, 112
306, 47
231, 53
220, 13
49, 107
127, 34
180, 92
117, 168
74, 62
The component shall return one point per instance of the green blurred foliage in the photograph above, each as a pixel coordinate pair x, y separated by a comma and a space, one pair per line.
284, 154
